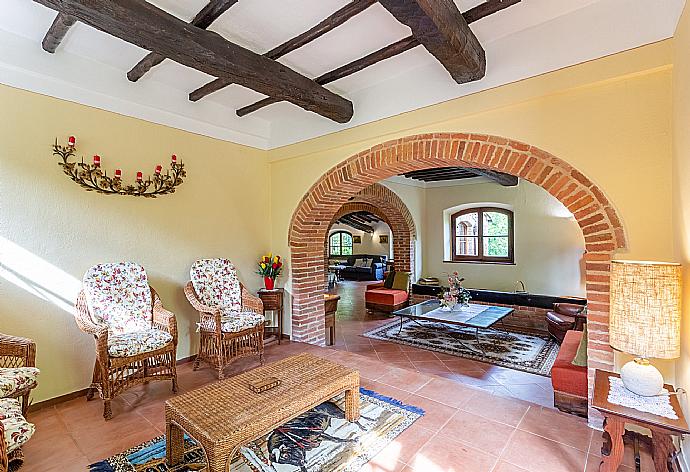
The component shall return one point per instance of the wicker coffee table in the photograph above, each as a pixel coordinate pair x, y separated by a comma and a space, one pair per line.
226, 415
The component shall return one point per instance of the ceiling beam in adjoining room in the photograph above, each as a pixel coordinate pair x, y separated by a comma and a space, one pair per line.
210, 13
506, 180
329, 24
392, 50
347, 221
57, 31
147, 26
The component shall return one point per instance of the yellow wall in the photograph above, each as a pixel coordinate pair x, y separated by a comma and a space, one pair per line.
681, 190
609, 118
549, 244
52, 231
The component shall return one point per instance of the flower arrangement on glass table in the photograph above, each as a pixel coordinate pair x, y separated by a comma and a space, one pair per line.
456, 294
270, 267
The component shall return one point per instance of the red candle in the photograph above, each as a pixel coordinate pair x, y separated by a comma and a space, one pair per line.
72, 141
159, 168
174, 159
140, 176
97, 160
118, 173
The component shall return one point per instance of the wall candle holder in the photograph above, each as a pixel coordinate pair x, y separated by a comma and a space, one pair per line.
93, 178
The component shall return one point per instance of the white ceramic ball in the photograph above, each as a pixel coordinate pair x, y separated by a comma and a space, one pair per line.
645, 380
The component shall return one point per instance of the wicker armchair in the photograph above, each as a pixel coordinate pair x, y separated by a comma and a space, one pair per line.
16, 353
231, 319
136, 338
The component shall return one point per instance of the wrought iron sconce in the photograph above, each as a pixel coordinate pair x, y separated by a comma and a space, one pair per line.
93, 178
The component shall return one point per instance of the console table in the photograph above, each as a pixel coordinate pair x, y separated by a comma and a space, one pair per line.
616, 417
273, 301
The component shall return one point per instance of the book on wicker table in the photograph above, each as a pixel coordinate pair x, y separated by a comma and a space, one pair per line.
228, 414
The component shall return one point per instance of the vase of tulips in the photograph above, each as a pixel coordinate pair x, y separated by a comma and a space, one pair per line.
270, 267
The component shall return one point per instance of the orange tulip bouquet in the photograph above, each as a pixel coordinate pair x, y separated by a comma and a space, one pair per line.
270, 267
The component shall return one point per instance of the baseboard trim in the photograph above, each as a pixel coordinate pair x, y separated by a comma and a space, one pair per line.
81, 393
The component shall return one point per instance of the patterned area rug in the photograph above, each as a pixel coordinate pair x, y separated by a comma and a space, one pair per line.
526, 352
319, 440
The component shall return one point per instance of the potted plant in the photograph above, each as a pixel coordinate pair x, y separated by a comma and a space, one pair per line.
270, 267
456, 294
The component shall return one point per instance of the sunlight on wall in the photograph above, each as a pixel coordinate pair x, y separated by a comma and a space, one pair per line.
38, 277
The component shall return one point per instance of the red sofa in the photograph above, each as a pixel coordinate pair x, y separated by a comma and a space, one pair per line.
377, 297
569, 381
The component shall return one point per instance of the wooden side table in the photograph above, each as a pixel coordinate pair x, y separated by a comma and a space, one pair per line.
331, 306
273, 301
616, 417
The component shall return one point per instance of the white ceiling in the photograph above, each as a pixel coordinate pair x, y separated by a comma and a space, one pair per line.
527, 39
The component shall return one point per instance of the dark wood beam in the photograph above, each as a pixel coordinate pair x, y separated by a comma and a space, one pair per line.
405, 44
348, 69
507, 180
203, 20
329, 24
57, 31
487, 8
347, 220
440, 27
147, 26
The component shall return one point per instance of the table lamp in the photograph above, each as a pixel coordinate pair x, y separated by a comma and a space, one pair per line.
645, 319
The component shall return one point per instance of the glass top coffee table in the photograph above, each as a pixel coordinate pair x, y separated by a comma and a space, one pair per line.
473, 316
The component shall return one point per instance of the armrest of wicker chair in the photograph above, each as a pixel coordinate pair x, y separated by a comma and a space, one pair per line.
163, 319
208, 315
4, 459
251, 302
86, 324
18, 347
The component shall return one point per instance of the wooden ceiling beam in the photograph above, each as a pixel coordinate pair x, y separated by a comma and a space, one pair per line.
506, 180
210, 13
348, 69
147, 26
398, 47
440, 27
57, 31
348, 221
329, 24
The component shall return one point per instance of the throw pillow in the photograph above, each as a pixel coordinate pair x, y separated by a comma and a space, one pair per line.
401, 281
388, 282
362, 263
581, 356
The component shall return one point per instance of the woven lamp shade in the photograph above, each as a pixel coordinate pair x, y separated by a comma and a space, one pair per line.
645, 308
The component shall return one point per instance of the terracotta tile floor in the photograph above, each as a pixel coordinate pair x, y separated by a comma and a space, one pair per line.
465, 428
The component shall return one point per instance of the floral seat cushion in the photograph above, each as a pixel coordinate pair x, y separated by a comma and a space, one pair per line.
17, 429
119, 296
16, 379
139, 342
216, 284
233, 322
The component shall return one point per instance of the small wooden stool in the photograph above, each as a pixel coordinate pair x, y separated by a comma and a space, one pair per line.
331, 306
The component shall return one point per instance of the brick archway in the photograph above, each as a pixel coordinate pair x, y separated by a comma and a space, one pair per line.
596, 216
387, 205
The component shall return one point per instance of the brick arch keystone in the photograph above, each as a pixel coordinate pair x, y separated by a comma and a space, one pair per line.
596, 216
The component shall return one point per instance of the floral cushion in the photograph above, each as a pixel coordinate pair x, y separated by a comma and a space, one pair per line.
17, 429
131, 344
216, 284
119, 296
15, 379
234, 322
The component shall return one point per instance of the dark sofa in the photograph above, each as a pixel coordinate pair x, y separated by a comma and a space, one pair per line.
373, 271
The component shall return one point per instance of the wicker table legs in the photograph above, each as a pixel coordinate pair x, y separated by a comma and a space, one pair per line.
219, 460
